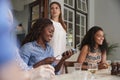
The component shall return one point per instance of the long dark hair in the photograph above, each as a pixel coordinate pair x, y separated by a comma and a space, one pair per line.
89, 40
60, 16
36, 30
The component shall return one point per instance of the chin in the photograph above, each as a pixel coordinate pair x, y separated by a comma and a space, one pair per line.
100, 43
47, 40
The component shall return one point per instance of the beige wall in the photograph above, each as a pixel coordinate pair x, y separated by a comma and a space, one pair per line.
107, 15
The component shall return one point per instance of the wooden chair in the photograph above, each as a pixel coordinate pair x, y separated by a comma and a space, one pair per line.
68, 64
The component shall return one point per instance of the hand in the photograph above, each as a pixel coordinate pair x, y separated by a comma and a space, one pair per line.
67, 54
43, 72
102, 65
49, 60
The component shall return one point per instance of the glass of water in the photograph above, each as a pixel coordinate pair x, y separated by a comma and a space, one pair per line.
77, 66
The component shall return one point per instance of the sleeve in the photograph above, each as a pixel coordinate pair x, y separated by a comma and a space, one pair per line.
21, 63
25, 53
54, 63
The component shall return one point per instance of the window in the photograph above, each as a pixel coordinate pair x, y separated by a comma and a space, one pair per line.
38, 9
82, 5
75, 17
69, 3
69, 20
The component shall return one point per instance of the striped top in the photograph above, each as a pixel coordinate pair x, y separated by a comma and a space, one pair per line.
94, 57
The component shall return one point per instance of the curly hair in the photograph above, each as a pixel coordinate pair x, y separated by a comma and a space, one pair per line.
89, 39
36, 30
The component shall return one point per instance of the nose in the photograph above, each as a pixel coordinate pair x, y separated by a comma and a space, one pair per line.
51, 34
102, 38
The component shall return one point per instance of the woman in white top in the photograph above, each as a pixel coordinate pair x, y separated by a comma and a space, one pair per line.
58, 41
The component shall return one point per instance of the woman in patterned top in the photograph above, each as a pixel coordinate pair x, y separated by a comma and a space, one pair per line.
93, 48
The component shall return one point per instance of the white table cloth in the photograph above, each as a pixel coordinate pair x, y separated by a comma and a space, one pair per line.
85, 75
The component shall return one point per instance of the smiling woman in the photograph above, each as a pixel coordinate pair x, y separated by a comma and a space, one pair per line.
93, 48
36, 50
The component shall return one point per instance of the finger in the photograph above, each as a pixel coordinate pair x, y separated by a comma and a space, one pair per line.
44, 71
48, 66
50, 71
70, 53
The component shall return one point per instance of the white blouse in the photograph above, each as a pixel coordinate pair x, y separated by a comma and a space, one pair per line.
58, 41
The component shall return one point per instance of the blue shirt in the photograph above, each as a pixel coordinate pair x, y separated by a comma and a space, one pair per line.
32, 53
6, 46
20, 62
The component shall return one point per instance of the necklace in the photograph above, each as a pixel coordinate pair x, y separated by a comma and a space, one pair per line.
96, 50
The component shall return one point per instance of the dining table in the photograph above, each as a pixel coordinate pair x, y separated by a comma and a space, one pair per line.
103, 74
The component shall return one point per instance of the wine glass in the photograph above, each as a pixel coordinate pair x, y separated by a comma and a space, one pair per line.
92, 67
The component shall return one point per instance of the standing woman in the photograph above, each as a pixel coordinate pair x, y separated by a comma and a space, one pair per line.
58, 41
93, 48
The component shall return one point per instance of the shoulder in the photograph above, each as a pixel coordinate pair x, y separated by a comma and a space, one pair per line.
28, 45
85, 48
26, 49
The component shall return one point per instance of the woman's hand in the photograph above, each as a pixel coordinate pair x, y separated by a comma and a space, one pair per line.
67, 54
49, 60
102, 65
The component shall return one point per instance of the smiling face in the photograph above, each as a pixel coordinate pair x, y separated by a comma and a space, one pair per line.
47, 33
99, 37
55, 10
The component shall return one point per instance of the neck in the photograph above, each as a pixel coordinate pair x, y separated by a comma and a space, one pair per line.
96, 46
41, 43
55, 19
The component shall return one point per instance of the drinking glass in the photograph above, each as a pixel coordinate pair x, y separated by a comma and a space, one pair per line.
92, 67
77, 66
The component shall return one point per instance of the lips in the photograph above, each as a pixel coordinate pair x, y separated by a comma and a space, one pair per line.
100, 42
50, 37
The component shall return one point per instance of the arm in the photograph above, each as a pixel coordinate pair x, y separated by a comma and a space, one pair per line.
82, 55
103, 57
48, 60
25, 53
66, 55
103, 64
20, 61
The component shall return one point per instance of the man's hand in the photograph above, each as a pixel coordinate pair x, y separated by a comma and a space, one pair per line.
43, 72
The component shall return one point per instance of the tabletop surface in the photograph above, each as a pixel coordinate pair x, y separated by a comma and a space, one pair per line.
85, 75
